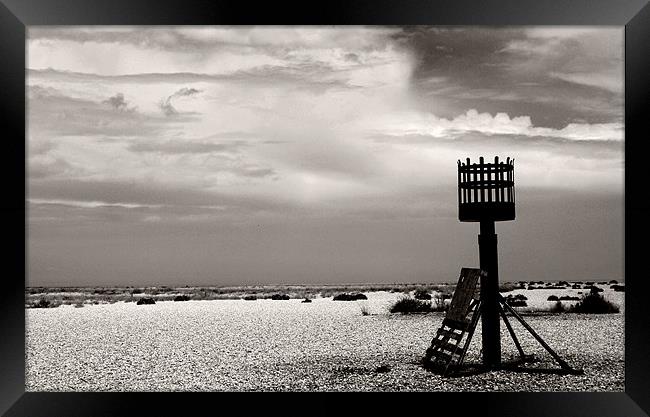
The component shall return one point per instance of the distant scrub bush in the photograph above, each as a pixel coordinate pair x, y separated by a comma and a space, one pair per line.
365, 311
552, 298
422, 294
518, 300
594, 303
558, 307
507, 287
516, 297
306, 300
145, 301
618, 288
280, 297
569, 298
407, 305
182, 298
42, 303
349, 297
250, 298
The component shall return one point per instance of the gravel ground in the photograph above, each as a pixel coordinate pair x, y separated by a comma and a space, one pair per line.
268, 345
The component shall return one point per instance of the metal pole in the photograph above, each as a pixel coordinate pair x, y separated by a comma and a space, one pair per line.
487, 242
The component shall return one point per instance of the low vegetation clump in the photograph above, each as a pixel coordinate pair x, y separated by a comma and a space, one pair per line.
422, 294
507, 287
145, 301
306, 300
42, 303
569, 298
594, 303
182, 298
518, 300
552, 298
349, 297
558, 307
280, 297
408, 305
618, 288
250, 298
365, 311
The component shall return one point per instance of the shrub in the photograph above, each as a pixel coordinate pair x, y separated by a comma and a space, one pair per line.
576, 286
422, 294
569, 298
182, 298
618, 288
438, 301
146, 301
516, 301
507, 287
306, 300
552, 298
42, 303
595, 303
365, 311
613, 282
558, 307
279, 297
407, 305
349, 297
593, 288
250, 298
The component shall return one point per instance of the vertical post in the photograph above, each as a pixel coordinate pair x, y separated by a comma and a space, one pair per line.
487, 242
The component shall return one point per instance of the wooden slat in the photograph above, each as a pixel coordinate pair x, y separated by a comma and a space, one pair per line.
455, 324
465, 289
450, 347
450, 334
442, 355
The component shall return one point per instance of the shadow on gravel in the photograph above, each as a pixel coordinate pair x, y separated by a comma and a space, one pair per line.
472, 369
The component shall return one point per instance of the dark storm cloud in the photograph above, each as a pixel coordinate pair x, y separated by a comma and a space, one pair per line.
518, 71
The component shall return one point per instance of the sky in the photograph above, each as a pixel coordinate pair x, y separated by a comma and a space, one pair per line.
266, 155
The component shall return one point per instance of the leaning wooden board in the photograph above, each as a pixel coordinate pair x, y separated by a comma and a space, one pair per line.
466, 289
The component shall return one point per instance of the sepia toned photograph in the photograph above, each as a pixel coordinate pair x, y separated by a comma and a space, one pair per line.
325, 208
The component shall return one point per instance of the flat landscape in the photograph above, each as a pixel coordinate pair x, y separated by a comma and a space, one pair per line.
288, 345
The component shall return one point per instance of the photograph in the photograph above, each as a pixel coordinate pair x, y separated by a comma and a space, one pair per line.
325, 208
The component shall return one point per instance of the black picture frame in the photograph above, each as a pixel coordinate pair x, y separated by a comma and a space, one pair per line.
15, 15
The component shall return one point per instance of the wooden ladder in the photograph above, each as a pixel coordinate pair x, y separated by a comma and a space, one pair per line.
446, 347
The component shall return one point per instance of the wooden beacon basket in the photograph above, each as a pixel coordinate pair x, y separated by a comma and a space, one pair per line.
486, 191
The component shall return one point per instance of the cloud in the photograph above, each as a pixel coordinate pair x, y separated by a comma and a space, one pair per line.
186, 147
88, 204
166, 104
118, 103
487, 124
